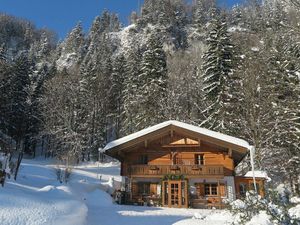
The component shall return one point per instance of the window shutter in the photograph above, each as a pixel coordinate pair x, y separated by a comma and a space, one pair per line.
200, 189
153, 189
222, 190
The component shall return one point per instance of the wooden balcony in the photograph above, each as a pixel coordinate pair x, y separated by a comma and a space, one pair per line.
160, 170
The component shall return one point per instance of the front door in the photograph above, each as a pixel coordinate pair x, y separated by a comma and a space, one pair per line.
175, 193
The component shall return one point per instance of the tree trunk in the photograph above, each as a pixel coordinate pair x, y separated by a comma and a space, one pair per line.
20, 157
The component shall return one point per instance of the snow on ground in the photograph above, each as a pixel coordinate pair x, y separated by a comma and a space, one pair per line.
210, 218
38, 198
261, 219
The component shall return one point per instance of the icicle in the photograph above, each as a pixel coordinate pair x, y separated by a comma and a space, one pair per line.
252, 153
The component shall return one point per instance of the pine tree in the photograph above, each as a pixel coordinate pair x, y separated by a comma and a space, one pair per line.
75, 40
20, 113
72, 49
153, 83
236, 16
20, 83
5, 72
283, 69
44, 47
217, 71
105, 20
96, 70
131, 91
201, 15
115, 24
115, 94
178, 25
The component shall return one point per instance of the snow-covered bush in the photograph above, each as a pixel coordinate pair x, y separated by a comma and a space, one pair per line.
276, 205
244, 210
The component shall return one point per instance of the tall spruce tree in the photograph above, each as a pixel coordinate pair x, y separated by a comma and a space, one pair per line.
115, 94
153, 83
283, 67
5, 75
20, 113
217, 71
131, 90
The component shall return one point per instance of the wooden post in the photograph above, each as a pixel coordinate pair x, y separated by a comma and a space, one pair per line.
186, 193
163, 193
219, 194
179, 195
169, 195
130, 193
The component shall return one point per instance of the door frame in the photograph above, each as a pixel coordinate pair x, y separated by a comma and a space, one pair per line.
181, 193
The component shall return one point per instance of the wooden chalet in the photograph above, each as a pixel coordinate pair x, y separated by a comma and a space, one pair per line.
175, 164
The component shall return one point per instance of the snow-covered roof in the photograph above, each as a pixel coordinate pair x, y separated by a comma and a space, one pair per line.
200, 130
258, 174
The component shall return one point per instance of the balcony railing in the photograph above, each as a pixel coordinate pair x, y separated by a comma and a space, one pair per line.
174, 169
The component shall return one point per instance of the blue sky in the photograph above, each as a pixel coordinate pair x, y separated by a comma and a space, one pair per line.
62, 15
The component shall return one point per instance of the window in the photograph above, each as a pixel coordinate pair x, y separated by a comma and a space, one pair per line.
242, 189
143, 159
211, 189
199, 159
144, 188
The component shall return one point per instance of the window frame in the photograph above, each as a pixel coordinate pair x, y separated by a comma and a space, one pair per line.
199, 161
143, 187
212, 189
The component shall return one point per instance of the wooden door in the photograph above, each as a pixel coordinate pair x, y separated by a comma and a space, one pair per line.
175, 194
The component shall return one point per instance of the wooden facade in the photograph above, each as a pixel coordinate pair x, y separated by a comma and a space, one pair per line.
244, 184
177, 167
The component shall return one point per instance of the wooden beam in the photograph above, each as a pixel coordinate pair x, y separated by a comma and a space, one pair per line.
219, 194
209, 139
199, 142
146, 143
181, 146
230, 152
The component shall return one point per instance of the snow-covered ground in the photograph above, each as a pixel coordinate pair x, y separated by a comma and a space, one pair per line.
38, 198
